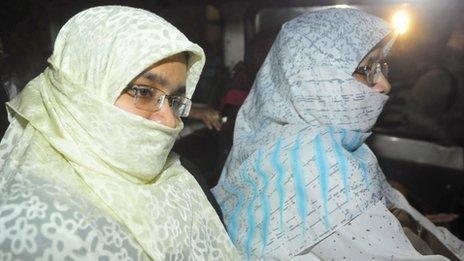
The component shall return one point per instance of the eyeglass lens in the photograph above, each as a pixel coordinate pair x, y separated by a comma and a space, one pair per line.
151, 99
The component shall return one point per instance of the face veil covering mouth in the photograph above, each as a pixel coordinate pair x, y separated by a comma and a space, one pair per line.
299, 172
299, 167
106, 175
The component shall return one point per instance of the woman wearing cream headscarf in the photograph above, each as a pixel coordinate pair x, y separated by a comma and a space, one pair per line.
299, 182
84, 179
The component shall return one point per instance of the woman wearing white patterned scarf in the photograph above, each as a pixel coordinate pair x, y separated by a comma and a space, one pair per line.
82, 179
299, 182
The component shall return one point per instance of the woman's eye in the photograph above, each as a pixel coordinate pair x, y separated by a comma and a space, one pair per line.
142, 91
172, 101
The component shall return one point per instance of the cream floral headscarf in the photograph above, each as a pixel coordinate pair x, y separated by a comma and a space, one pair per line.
66, 135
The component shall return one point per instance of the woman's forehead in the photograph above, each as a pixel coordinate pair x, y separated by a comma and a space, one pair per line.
378, 52
375, 54
169, 74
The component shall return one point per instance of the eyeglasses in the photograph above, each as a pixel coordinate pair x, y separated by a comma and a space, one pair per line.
151, 99
372, 71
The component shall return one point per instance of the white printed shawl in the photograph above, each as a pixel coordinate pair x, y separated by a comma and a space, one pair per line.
84, 180
299, 168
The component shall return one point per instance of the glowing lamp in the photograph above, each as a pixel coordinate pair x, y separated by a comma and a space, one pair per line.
401, 20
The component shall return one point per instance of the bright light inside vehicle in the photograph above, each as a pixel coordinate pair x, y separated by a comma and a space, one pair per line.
401, 21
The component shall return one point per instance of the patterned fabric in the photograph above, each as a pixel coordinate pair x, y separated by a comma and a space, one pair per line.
374, 235
299, 169
83, 179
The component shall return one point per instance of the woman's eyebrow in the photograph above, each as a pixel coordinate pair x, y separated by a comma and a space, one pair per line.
378, 55
155, 78
180, 91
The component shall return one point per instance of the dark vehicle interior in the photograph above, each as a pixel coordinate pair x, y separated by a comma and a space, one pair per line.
419, 138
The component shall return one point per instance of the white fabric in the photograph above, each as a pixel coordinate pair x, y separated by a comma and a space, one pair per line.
299, 169
374, 235
96, 181
453, 243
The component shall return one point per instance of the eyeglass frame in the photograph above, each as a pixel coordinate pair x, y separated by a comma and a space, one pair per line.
372, 70
380, 66
163, 97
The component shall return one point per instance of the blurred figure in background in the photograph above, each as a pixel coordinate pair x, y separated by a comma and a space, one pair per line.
215, 141
436, 102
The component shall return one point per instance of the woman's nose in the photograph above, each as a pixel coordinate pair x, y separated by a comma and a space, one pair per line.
381, 84
165, 116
